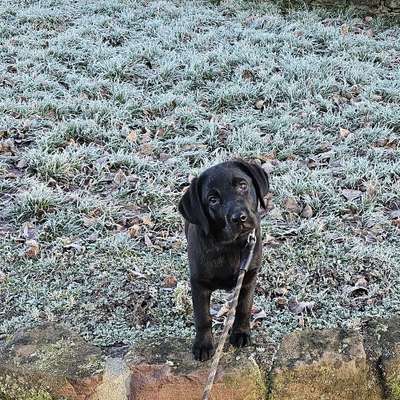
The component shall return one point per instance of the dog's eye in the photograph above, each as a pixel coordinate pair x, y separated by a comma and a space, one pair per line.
213, 200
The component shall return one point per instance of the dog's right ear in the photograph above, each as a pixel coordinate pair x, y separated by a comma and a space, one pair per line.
191, 207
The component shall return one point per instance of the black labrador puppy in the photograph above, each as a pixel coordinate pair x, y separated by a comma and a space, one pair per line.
220, 209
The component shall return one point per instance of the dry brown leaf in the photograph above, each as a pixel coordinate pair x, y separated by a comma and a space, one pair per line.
134, 230
7, 147
281, 302
32, 248
119, 177
396, 222
351, 194
146, 149
344, 29
247, 75
307, 212
132, 136
146, 220
343, 133
292, 205
170, 281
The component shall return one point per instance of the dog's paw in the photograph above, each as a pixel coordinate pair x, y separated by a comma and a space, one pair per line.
240, 339
203, 348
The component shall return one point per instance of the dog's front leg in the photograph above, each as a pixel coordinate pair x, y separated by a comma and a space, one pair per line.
240, 335
203, 346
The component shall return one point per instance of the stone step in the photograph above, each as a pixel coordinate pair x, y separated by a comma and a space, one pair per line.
52, 363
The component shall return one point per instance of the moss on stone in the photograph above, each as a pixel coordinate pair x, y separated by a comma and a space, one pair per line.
251, 377
17, 388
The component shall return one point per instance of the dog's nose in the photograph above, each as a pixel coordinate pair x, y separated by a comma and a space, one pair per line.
239, 217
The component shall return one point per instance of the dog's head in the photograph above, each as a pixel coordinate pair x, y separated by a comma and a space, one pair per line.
224, 199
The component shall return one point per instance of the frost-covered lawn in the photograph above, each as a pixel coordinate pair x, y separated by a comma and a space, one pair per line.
108, 107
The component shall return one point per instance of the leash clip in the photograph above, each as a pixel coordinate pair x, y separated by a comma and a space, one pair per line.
252, 236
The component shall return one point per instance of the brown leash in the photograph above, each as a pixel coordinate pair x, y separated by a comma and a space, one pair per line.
251, 242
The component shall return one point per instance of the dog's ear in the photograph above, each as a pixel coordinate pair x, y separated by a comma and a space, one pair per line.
191, 206
259, 178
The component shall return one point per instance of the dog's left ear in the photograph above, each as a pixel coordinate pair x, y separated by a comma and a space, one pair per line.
259, 178
191, 207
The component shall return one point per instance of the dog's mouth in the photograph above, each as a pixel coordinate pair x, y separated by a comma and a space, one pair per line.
234, 233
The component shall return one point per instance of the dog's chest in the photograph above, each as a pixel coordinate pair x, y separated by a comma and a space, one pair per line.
221, 270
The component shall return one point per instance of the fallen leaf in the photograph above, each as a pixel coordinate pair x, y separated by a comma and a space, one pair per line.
370, 33
300, 307
268, 167
147, 240
280, 291
344, 29
22, 164
132, 274
119, 177
7, 147
32, 248
170, 281
343, 133
132, 136
223, 310
146, 220
133, 231
146, 149
146, 137
269, 240
89, 221
160, 133
292, 205
28, 231
395, 214
361, 282
307, 212
92, 237
164, 156
355, 291
247, 75
396, 222
260, 104
74, 246
351, 194
259, 315
281, 302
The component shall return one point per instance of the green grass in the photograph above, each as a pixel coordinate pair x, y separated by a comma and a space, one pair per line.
111, 106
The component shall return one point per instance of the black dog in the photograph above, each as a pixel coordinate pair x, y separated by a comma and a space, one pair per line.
220, 210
